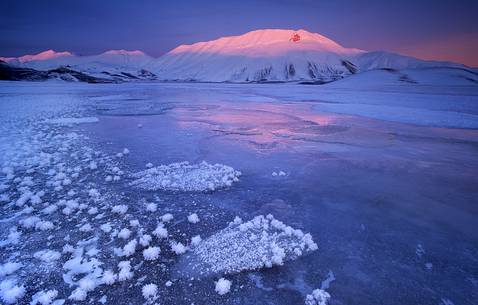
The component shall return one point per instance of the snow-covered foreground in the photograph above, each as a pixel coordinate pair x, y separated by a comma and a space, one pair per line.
238, 194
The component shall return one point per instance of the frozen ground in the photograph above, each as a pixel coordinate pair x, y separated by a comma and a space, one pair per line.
372, 191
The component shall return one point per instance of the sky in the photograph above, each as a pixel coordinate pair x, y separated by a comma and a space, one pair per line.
428, 29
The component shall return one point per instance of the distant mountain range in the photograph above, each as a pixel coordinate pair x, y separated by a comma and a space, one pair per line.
270, 55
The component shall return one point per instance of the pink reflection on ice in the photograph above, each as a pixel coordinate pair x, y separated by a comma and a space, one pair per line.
267, 124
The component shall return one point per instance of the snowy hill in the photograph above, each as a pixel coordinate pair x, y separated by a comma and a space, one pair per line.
385, 60
429, 76
263, 55
277, 55
114, 65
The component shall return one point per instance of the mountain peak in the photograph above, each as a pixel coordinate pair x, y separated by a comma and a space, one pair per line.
266, 42
49, 54
125, 52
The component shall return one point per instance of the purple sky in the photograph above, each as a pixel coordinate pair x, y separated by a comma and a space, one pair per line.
439, 29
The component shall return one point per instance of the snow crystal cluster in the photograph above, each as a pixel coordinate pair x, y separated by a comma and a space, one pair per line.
149, 291
10, 292
258, 243
186, 177
223, 286
318, 297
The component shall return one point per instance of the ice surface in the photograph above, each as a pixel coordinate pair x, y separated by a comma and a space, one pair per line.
262, 242
388, 197
186, 177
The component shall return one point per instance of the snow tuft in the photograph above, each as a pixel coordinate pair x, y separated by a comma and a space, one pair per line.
223, 286
10, 292
186, 177
318, 297
149, 291
151, 253
193, 218
178, 248
258, 243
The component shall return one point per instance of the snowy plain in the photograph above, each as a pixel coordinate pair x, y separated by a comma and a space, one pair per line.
373, 197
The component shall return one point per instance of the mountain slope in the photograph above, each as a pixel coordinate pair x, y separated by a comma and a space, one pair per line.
116, 65
263, 55
385, 60
14, 73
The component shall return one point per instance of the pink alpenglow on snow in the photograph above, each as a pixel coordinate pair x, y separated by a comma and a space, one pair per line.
50, 54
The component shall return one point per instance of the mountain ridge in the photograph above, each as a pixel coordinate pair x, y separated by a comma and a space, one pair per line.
267, 55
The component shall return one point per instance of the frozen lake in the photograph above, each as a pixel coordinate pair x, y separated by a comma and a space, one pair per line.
384, 179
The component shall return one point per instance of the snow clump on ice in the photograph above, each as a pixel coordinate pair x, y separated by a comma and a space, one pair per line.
193, 218
261, 242
223, 286
161, 231
44, 297
318, 297
149, 291
186, 177
178, 248
151, 253
10, 292
9, 268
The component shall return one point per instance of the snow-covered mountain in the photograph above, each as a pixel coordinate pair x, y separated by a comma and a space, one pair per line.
262, 55
113, 65
271, 55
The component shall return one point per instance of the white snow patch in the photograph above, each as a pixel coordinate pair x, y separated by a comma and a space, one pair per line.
195, 240
149, 291
193, 218
167, 217
318, 297
119, 209
125, 272
151, 207
9, 268
151, 253
186, 177
124, 233
223, 286
106, 227
145, 239
178, 248
44, 225
160, 231
261, 242
130, 248
44, 297
78, 295
10, 292
85, 228
47, 256
109, 278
